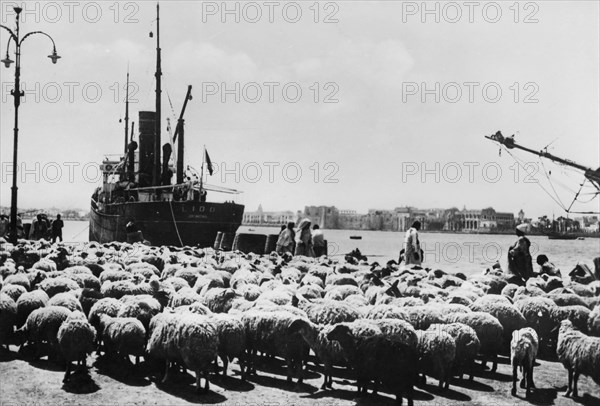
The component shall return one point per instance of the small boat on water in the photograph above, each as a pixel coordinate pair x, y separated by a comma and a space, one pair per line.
562, 236
356, 237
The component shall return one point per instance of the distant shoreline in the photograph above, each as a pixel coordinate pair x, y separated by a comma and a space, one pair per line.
507, 232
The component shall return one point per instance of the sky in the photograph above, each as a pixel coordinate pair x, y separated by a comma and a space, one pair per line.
357, 104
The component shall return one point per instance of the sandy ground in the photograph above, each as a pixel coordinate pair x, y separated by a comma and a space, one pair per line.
25, 382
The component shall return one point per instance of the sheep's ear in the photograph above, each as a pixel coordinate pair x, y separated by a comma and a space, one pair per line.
395, 284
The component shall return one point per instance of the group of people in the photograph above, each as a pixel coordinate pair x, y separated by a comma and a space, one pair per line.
301, 241
42, 227
520, 262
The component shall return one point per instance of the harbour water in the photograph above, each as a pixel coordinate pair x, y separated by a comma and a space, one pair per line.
467, 253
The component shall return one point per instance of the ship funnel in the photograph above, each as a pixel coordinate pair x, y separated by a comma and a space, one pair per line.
146, 125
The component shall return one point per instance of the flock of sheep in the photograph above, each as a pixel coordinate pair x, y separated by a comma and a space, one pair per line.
391, 327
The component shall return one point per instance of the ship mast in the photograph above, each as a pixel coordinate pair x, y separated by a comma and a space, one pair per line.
127, 112
509, 142
157, 124
179, 131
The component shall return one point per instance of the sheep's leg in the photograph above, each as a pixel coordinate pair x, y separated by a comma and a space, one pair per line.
198, 375
570, 384
225, 364
166, 377
300, 372
495, 362
447, 380
67, 372
514, 380
575, 379
530, 376
375, 386
206, 382
324, 386
527, 371
289, 369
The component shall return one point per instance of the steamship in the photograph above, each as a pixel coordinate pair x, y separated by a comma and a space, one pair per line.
138, 200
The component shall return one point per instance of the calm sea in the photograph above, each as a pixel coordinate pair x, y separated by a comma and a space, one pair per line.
467, 253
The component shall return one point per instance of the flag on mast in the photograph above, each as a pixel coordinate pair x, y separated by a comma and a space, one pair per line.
208, 162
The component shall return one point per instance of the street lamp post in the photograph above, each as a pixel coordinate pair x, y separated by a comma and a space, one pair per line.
17, 93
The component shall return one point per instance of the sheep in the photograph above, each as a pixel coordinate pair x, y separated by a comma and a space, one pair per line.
123, 336
88, 298
566, 299
327, 311
42, 325
76, 338
142, 307
437, 351
375, 357
594, 322
18, 279
488, 330
219, 300
267, 332
8, 319
60, 284
121, 288
340, 292
187, 338
13, 291
508, 316
65, 299
467, 346
523, 352
278, 296
578, 315
538, 313
184, 296
232, 340
28, 302
327, 351
579, 354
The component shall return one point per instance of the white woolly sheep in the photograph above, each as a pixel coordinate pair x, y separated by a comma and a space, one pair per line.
467, 346
232, 340
594, 322
141, 307
42, 325
488, 330
578, 315
76, 338
123, 336
186, 338
538, 313
28, 302
61, 284
65, 299
327, 351
579, 354
509, 317
219, 300
267, 332
8, 319
18, 279
375, 357
523, 352
437, 351
328, 311
13, 291
184, 296
340, 292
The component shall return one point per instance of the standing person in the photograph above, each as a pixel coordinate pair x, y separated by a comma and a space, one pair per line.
318, 241
304, 239
413, 255
4, 223
285, 242
57, 226
519, 257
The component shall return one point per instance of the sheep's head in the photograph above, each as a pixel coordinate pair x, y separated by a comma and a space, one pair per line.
393, 290
339, 332
297, 325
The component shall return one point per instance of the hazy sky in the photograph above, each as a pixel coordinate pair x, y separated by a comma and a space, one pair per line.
395, 98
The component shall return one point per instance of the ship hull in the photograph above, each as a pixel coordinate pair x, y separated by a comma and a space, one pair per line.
186, 223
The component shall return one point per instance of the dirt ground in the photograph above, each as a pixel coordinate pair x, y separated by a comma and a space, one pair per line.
25, 382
